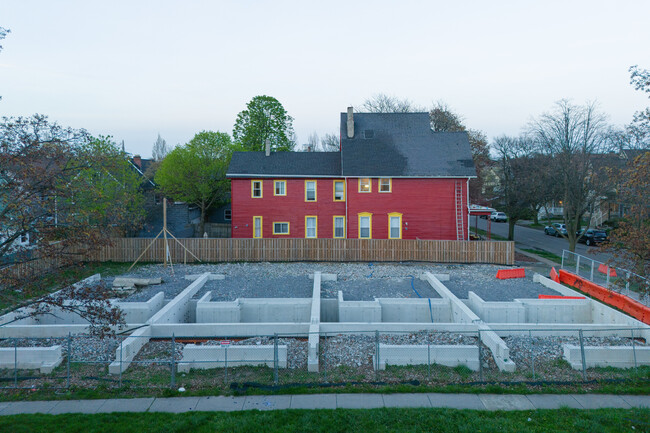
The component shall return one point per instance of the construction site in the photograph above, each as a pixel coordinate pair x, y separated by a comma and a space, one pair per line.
279, 324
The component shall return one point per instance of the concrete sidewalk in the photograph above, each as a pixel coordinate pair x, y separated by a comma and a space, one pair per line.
329, 401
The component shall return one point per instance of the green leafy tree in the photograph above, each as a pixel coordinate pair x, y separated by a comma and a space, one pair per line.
264, 119
68, 194
196, 173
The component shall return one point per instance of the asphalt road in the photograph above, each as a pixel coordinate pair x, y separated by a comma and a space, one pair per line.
526, 237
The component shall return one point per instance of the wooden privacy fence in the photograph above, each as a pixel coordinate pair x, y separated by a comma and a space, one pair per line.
321, 250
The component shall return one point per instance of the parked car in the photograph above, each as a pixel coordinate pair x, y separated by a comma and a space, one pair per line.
556, 229
592, 236
499, 217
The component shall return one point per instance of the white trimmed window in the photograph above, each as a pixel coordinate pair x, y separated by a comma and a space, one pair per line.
281, 228
311, 230
365, 225
339, 226
365, 184
257, 227
385, 185
280, 187
394, 225
310, 190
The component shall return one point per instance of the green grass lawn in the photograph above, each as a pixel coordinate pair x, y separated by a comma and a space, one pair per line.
341, 420
545, 254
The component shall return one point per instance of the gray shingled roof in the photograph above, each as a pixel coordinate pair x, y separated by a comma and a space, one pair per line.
398, 145
403, 145
288, 164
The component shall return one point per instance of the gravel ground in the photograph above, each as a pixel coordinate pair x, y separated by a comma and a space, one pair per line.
84, 348
485, 284
357, 281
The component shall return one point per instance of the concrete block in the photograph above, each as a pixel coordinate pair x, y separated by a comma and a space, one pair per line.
275, 310
140, 312
359, 311
415, 310
129, 348
211, 277
129, 282
325, 277
607, 356
496, 312
206, 357
408, 354
217, 312
557, 310
314, 326
44, 359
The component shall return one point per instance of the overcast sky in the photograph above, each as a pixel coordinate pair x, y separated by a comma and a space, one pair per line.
133, 69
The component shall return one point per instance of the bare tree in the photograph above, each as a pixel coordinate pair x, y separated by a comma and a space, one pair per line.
312, 142
572, 135
160, 149
514, 170
640, 126
382, 103
3, 34
330, 143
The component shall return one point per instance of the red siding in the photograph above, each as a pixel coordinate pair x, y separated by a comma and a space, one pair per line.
291, 208
428, 208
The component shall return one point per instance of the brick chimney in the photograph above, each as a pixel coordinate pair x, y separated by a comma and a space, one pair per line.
350, 123
268, 147
137, 161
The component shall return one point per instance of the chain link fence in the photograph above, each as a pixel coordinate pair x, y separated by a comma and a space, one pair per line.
342, 358
626, 282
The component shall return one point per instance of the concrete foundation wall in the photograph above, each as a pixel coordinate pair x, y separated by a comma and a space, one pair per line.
415, 310
329, 310
140, 312
205, 357
45, 359
246, 310
612, 356
448, 355
228, 329
557, 310
501, 312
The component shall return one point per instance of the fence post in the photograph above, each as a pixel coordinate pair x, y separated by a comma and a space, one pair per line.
627, 284
578, 264
377, 354
634, 352
67, 383
607, 277
173, 362
562, 265
532, 352
592, 270
121, 350
275, 359
15, 363
324, 349
480, 356
429, 355
582, 354
226, 364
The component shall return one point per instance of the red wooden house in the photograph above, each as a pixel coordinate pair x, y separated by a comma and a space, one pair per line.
394, 178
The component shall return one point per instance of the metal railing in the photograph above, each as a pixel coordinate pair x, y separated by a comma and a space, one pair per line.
615, 278
425, 357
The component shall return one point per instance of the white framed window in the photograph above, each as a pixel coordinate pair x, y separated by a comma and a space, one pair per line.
385, 185
365, 184
311, 227
339, 190
280, 187
310, 190
256, 188
339, 226
281, 228
227, 214
257, 227
365, 225
394, 225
